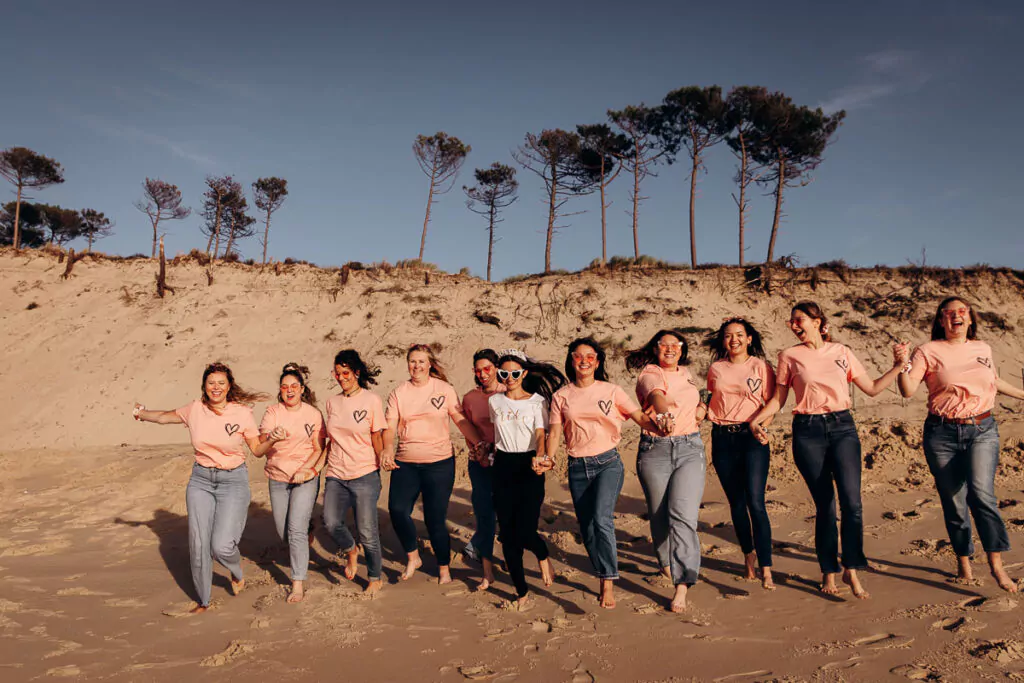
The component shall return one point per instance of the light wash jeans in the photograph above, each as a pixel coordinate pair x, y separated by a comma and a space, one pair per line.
292, 506
360, 494
963, 460
595, 483
672, 470
218, 505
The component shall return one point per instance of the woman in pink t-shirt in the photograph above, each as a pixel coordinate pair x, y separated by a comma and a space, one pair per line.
961, 438
480, 548
292, 438
355, 425
671, 468
590, 412
220, 426
418, 413
740, 382
826, 448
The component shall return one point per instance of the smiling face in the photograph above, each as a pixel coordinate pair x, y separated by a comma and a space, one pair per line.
484, 372
584, 362
736, 340
216, 388
955, 320
515, 374
668, 349
806, 328
291, 391
419, 365
347, 379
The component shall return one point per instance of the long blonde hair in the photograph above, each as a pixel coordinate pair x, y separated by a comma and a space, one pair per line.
436, 369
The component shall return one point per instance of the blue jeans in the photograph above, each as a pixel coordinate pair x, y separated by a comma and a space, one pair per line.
741, 462
595, 483
360, 494
292, 506
482, 498
672, 471
435, 480
826, 450
217, 502
963, 460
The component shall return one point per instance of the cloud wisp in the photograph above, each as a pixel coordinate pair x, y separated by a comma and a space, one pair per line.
128, 133
883, 74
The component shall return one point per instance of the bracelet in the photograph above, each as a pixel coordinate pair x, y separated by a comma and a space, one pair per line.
907, 367
135, 412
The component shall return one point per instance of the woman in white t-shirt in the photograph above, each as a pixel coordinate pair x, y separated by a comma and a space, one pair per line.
520, 419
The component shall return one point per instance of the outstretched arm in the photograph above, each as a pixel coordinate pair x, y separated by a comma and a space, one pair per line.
161, 417
1007, 389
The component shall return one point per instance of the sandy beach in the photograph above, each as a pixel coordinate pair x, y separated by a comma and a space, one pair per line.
94, 552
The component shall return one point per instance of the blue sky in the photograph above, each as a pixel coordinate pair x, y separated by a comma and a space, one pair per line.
331, 98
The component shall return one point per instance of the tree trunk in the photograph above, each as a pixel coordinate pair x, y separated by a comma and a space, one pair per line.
636, 202
231, 241
604, 224
778, 209
215, 237
490, 241
430, 200
743, 190
693, 215
16, 238
89, 248
266, 238
551, 220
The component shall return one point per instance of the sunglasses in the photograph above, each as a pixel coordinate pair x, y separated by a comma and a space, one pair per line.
506, 375
588, 357
670, 345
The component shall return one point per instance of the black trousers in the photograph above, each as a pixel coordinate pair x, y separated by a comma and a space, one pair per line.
518, 495
435, 481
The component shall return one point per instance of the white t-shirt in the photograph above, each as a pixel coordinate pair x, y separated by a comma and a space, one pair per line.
515, 422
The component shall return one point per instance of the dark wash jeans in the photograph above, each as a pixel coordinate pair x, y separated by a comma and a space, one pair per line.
741, 462
826, 449
595, 483
435, 480
518, 496
482, 497
963, 460
361, 494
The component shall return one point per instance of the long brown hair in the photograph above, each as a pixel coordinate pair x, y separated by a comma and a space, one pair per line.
436, 369
301, 373
236, 394
937, 330
648, 353
812, 310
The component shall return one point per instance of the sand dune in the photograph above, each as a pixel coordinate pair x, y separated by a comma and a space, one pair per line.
94, 548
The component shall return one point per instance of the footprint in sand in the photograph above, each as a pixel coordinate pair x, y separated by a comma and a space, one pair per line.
64, 647
958, 624
914, 672
476, 673
882, 641
65, 671
845, 664
79, 590
999, 651
124, 602
746, 674
990, 604
582, 676
649, 608
260, 623
234, 650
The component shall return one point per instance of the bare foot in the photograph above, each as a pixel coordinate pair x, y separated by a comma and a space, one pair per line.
679, 599
995, 563
488, 565
547, 574
373, 586
298, 592
351, 562
444, 575
851, 579
750, 560
523, 604
411, 566
828, 584
237, 586
964, 571
483, 585
198, 609
667, 572
607, 597
766, 579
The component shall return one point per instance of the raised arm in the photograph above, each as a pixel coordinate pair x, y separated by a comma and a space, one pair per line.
160, 417
645, 422
1007, 389
900, 355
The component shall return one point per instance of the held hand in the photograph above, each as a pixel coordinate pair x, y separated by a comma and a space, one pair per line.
387, 461
900, 354
759, 432
278, 434
301, 476
541, 465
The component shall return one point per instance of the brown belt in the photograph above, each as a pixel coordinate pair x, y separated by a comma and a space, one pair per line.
964, 420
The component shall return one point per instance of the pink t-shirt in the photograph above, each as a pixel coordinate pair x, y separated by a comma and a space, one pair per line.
961, 378
819, 378
591, 417
219, 440
285, 457
474, 405
680, 390
423, 412
739, 390
351, 420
